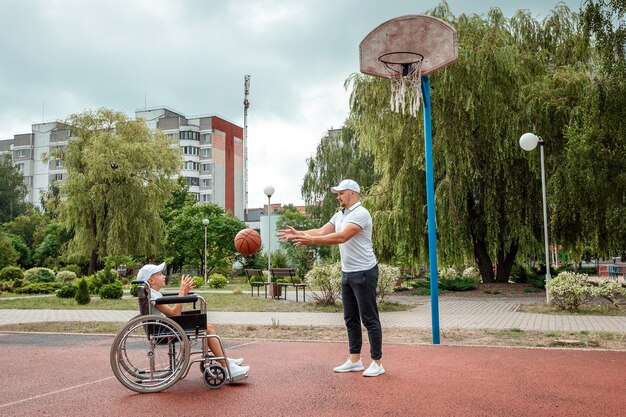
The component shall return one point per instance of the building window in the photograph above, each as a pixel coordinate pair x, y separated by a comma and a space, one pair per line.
207, 167
191, 165
21, 153
188, 135
207, 153
191, 181
56, 177
20, 167
197, 196
190, 150
207, 198
206, 138
207, 182
58, 163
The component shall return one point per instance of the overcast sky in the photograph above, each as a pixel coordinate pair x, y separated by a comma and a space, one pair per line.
60, 57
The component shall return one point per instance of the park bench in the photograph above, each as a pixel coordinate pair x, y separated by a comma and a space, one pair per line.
289, 273
256, 284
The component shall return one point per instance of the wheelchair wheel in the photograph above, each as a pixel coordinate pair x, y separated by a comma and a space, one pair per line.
214, 375
150, 354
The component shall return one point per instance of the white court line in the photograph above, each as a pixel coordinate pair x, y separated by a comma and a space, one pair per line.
244, 344
54, 392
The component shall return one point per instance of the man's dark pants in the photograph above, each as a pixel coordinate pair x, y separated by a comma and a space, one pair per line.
358, 292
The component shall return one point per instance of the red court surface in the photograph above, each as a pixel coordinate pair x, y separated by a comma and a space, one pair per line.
65, 375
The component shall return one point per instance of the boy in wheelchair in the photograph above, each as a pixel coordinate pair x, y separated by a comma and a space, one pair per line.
153, 275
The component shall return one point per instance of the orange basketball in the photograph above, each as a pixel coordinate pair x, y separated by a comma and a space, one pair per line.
248, 242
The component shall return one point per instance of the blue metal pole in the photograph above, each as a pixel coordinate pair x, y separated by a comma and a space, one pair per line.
430, 201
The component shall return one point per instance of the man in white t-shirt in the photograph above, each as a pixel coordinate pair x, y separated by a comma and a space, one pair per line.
351, 229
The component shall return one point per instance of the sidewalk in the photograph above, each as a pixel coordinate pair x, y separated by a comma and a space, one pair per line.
453, 314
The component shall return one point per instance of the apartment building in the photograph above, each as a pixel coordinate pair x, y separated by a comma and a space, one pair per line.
211, 149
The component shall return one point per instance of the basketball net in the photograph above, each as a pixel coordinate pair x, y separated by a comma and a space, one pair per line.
406, 91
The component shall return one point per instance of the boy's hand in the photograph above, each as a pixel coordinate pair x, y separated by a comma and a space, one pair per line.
186, 285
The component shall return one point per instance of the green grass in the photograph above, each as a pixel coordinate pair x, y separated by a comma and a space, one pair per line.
585, 310
215, 302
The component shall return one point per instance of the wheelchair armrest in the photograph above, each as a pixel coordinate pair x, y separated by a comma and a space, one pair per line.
136, 282
176, 299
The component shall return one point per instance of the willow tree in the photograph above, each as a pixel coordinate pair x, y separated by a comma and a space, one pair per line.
486, 189
589, 189
119, 178
338, 156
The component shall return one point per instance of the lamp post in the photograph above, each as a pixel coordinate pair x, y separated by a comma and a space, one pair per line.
528, 142
205, 222
269, 191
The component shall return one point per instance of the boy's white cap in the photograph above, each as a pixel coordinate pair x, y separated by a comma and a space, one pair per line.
346, 185
148, 270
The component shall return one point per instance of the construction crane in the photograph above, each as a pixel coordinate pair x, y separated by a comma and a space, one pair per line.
246, 104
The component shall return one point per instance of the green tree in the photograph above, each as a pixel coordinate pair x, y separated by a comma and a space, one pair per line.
338, 156
8, 254
185, 237
486, 191
25, 258
27, 226
49, 251
119, 179
300, 258
12, 190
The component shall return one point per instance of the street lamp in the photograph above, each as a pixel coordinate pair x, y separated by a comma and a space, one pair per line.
528, 142
205, 222
269, 191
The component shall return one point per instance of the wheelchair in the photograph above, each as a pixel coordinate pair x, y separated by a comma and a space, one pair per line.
152, 352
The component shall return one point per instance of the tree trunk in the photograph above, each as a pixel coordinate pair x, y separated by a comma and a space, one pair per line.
93, 259
93, 262
483, 260
505, 262
476, 227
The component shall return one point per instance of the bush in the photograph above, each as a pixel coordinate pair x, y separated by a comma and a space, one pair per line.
198, 282
74, 268
217, 281
107, 275
67, 291
328, 279
536, 280
11, 273
453, 280
569, 290
611, 290
6, 286
38, 288
387, 276
36, 275
519, 274
113, 291
66, 276
133, 289
82, 294
255, 278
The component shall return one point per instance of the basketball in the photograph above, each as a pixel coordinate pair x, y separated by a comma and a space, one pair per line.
248, 242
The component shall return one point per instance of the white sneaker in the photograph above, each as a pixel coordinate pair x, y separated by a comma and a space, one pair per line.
236, 370
374, 370
350, 366
237, 361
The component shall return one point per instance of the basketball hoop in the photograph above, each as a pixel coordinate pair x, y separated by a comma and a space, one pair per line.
405, 73
403, 50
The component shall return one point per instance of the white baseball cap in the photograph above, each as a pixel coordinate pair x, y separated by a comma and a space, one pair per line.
346, 185
148, 270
